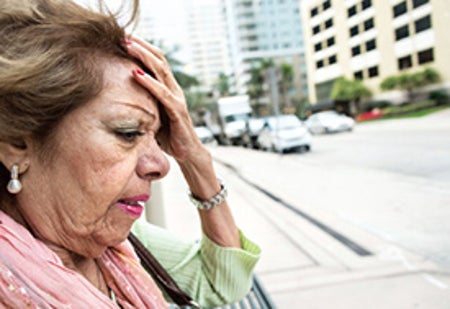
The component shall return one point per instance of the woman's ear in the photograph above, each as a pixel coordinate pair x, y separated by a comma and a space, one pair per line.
15, 153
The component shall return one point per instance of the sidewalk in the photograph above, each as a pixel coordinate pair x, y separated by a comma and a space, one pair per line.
311, 259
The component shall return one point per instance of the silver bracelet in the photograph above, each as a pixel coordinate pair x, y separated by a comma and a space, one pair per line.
214, 201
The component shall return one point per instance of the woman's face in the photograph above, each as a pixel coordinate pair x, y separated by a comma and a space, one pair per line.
106, 156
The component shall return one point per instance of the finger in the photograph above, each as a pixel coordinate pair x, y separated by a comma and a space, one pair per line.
152, 61
149, 60
152, 48
158, 90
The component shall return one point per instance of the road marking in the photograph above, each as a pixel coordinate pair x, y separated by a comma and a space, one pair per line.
435, 282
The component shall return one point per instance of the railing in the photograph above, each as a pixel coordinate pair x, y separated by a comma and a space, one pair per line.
257, 298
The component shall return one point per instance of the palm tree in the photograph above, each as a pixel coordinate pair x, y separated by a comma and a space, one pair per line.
286, 73
256, 85
222, 85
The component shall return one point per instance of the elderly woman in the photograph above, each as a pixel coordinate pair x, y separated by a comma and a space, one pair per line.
86, 114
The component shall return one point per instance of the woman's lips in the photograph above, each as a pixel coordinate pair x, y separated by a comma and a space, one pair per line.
134, 206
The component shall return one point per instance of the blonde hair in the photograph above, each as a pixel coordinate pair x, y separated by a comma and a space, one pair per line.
52, 57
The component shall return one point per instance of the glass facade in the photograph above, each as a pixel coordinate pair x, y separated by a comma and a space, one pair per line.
277, 24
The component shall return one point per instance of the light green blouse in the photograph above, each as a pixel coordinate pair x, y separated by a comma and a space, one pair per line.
210, 274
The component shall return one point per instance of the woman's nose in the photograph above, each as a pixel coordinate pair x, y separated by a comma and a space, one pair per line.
153, 163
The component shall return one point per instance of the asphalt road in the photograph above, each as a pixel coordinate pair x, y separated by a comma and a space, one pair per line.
391, 178
414, 147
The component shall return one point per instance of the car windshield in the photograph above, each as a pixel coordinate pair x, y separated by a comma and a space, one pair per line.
236, 117
284, 122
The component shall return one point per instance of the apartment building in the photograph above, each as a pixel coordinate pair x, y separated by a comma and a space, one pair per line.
207, 40
261, 29
372, 39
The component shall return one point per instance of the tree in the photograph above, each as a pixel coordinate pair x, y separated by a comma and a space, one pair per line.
286, 73
256, 85
185, 81
349, 90
409, 82
222, 85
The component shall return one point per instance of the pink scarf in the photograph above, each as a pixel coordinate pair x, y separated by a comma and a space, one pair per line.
33, 276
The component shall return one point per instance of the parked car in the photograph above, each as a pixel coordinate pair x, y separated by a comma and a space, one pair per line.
253, 128
283, 133
205, 135
329, 122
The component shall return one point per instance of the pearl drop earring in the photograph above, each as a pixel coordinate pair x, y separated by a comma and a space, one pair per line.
14, 185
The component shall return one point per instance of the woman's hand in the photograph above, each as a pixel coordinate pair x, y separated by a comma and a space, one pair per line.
177, 137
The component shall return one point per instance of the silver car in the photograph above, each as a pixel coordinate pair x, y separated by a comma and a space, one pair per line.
205, 135
283, 133
329, 122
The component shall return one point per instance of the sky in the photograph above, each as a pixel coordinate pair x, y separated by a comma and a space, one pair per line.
168, 19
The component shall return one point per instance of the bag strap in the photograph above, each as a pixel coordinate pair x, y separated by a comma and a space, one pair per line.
160, 275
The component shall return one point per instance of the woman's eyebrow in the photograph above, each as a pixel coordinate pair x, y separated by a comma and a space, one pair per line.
155, 120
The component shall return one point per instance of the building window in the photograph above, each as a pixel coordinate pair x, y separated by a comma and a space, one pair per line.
354, 30
330, 41
326, 5
425, 56
401, 33
318, 47
328, 23
422, 24
417, 3
373, 71
332, 59
371, 45
314, 12
358, 75
366, 4
400, 9
351, 11
319, 64
404, 62
356, 50
316, 29
368, 24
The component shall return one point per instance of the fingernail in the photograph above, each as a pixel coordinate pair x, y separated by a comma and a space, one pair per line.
140, 72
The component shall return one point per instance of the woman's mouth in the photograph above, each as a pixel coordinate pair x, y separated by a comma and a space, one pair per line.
133, 206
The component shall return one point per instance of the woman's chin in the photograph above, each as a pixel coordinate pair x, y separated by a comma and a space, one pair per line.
114, 239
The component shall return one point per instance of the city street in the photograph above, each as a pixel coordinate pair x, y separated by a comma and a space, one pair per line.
359, 222
389, 177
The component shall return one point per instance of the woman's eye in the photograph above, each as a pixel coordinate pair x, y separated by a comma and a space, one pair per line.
129, 136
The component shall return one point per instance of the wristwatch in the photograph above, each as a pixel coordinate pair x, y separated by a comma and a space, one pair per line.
217, 199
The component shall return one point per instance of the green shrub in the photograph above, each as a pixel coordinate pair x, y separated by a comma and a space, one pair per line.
376, 104
440, 96
407, 108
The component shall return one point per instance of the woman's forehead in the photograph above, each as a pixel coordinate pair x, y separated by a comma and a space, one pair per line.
120, 86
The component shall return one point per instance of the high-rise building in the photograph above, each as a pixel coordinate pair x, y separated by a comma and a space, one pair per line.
371, 40
265, 29
207, 40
